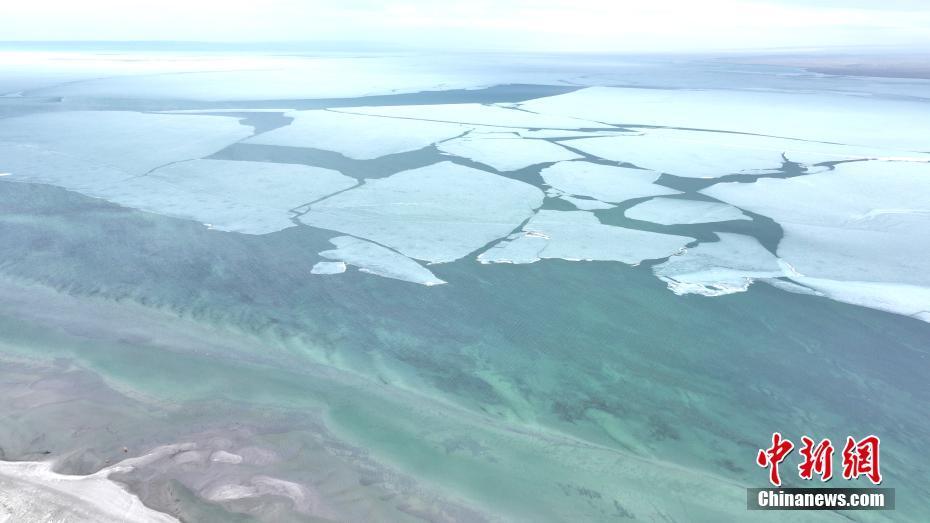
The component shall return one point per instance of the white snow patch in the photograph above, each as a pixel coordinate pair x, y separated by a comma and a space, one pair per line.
31, 491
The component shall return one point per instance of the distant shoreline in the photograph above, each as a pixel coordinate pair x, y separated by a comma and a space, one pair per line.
905, 66
873, 71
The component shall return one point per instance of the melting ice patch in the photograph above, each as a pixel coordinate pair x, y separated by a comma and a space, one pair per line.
376, 259
603, 182
858, 234
506, 153
358, 136
437, 213
722, 267
238, 196
577, 236
671, 211
328, 267
88, 150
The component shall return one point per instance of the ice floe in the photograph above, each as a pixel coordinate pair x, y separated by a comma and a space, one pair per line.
358, 136
376, 259
87, 150
688, 154
819, 117
325, 267
578, 236
603, 182
238, 196
670, 211
858, 234
32, 491
437, 213
506, 153
722, 267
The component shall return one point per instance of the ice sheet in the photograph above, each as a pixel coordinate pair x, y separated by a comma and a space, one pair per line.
603, 182
703, 154
85, 150
866, 224
557, 133
238, 196
381, 261
669, 211
716, 268
437, 213
476, 114
506, 153
820, 117
577, 236
358, 136
689, 154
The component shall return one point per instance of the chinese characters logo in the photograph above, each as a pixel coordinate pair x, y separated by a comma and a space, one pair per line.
860, 458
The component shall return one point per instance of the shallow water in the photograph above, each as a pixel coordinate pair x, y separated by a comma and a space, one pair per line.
594, 356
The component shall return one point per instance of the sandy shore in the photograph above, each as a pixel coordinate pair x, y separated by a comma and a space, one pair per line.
31, 491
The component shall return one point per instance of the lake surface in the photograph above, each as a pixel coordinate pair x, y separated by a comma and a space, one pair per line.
559, 390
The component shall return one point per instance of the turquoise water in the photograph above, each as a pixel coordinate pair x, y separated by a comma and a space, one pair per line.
550, 391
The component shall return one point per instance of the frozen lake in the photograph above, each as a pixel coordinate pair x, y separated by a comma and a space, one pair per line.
501, 287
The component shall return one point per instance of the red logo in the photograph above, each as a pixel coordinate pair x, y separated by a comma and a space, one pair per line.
860, 458
773, 456
817, 460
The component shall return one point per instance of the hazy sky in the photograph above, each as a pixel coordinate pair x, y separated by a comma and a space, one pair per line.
571, 25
